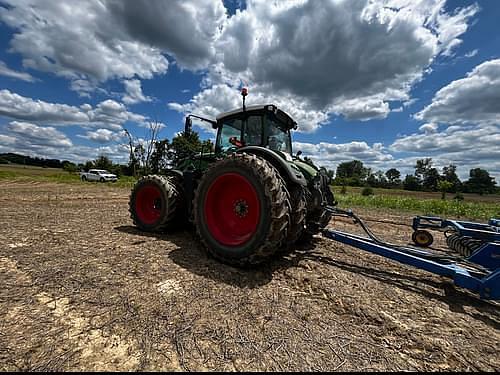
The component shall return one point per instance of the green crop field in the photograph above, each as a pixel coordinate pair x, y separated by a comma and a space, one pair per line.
423, 203
473, 206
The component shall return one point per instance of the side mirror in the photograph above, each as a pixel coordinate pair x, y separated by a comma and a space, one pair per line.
188, 125
299, 153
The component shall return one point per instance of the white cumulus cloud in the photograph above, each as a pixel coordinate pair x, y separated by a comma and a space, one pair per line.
471, 100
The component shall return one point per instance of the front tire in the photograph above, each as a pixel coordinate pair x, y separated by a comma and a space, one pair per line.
242, 210
153, 203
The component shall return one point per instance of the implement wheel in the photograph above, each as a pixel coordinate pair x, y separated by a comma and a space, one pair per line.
422, 238
153, 203
241, 210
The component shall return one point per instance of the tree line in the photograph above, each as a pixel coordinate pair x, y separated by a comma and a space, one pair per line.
13, 158
157, 155
425, 178
153, 155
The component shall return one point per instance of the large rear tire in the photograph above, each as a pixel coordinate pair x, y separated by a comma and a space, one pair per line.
242, 210
318, 218
298, 214
154, 203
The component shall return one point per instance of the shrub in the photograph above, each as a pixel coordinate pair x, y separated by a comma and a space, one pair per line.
367, 191
343, 190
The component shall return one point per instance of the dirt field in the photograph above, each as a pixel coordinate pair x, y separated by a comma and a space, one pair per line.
81, 289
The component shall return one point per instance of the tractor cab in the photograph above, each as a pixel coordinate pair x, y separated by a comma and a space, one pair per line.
260, 125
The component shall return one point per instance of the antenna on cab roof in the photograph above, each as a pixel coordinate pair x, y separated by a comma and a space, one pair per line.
244, 93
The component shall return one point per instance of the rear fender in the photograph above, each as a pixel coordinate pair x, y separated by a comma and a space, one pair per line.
287, 170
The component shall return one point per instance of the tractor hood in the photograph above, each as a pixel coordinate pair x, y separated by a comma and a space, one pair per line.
309, 171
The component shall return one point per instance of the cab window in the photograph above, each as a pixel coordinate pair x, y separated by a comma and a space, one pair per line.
230, 129
253, 131
278, 137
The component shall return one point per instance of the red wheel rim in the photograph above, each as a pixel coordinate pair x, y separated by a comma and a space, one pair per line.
232, 209
148, 204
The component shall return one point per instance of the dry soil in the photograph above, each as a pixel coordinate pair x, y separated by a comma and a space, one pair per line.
82, 289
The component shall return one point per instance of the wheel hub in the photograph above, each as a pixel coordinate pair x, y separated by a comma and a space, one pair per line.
240, 208
157, 204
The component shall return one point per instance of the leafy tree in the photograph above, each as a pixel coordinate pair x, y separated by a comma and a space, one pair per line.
431, 179
69, 166
450, 175
480, 182
371, 180
352, 173
186, 144
351, 169
411, 183
207, 146
444, 187
161, 156
103, 162
377, 179
426, 174
393, 176
88, 165
381, 180
422, 167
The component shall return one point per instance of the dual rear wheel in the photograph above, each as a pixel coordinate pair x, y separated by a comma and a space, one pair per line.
155, 202
243, 210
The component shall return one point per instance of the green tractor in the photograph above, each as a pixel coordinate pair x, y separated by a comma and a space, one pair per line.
249, 198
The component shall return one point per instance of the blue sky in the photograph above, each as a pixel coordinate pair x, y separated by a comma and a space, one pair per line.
386, 82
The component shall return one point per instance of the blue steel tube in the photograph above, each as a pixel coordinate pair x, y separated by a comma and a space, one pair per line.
487, 287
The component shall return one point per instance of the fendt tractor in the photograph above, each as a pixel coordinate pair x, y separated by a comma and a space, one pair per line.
251, 197
248, 198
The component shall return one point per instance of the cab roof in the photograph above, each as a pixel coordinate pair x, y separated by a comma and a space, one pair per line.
285, 118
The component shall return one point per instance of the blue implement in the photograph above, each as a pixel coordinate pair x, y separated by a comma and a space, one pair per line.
478, 272
486, 284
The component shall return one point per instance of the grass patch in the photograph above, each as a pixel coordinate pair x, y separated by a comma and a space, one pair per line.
431, 207
28, 173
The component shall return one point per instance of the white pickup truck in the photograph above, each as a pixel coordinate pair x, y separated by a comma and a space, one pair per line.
100, 175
